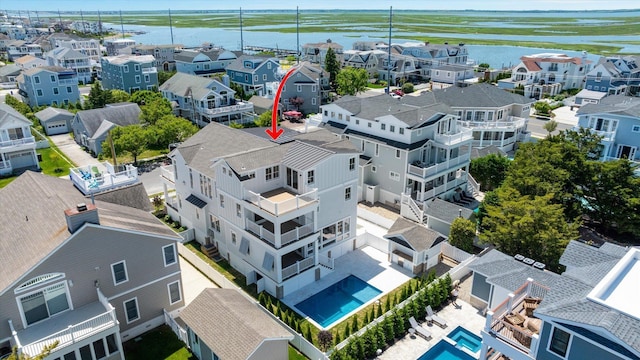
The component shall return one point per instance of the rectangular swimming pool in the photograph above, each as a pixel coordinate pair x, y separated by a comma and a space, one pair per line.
466, 338
337, 300
442, 350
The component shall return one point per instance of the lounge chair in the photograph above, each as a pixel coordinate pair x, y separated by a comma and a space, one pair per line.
458, 199
419, 329
431, 317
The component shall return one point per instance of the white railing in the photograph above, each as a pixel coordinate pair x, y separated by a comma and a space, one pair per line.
415, 209
148, 70
88, 181
296, 234
68, 81
239, 107
454, 253
167, 173
431, 193
261, 232
326, 261
512, 123
475, 187
297, 268
74, 333
424, 171
281, 207
5, 164
177, 329
452, 139
606, 135
18, 142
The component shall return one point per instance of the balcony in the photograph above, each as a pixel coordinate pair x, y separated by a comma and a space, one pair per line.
149, 70
454, 139
226, 110
166, 173
68, 81
511, 327
291, 232
18, 144
91, 180
424, 171
512, 124
608, 136
281, 201
297, 267
69, 327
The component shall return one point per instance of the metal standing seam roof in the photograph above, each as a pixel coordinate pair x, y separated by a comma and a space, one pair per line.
196, 201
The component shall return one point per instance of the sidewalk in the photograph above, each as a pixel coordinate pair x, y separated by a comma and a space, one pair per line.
73, 151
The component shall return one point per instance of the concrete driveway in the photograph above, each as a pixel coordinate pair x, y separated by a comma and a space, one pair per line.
73, 151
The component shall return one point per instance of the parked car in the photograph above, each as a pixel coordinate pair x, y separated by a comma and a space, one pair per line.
398, 92
395, 96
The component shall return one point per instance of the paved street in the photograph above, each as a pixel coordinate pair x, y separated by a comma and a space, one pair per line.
151, 181
565, 117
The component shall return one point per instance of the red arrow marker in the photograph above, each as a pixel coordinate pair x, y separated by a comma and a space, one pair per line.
274, 132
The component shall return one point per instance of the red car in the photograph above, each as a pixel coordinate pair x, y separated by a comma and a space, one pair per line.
398, 92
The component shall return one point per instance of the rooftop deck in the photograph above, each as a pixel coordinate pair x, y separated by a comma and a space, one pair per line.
281, 200
91, 180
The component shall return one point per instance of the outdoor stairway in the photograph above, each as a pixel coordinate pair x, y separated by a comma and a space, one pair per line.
211, 251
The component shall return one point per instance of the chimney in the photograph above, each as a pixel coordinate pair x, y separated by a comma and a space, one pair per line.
83, 213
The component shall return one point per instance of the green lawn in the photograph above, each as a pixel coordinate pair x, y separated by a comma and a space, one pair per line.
157, 344
295, 355
54, 163
5, 181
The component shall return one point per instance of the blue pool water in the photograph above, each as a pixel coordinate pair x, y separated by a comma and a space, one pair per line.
466, 338
337, 300
442, 350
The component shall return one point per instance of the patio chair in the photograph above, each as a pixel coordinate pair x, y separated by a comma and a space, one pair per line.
419, 329
431, 317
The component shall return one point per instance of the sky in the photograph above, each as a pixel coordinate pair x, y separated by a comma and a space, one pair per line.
110, 5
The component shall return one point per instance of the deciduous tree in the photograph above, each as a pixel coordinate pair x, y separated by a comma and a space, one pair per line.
351, 81
332, 66
490, 171
131, 139
462, 233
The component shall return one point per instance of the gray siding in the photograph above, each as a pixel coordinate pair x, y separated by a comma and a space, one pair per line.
88, 256
579, 349
480, 287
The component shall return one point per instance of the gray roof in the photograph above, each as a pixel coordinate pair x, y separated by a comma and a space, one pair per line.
51, 112
134, 196
238, 64
232, 326
260, 102
418, 236
7, 113
567, 300
62, 53
487, 150
408, 109
122, 115
11, 69
123, 59
446, 211
56, 69
198, 87
33, 222
477, 96
613, 104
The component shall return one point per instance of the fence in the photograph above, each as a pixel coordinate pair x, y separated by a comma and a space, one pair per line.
373, 241
302, 344
454, 253
374, 218
177, 329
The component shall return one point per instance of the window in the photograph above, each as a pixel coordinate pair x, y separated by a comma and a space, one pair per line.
352, 163
39, 92
126, 68
214, 223
394, 176
221, 200
99, 350
635, 128
348, 117
55, 91
70, 356
398, 153
401, 131
169, 253
69, 89
333, 114
111, 344
45, 303
264, 77
310, 177
347, 194
269, 65
147, 78
131, 310
373, 169
119, 271
299, 88
233, 238
340, 116
238, 210
383, 126
174, 292
377, 149
559, 342
392, 128
53, 78
246, 78
36, 79
137, 79
191, 177
369, 124
255, 78
85, 353
326, 113
357, 121
313, 101
272, 173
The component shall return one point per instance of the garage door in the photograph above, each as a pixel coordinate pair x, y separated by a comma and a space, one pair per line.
55, 128
21, 160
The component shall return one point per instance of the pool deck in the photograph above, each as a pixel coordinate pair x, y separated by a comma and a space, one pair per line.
412, 346
366, 263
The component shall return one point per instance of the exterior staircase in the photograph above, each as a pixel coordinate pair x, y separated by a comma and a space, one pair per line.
211, 251
410, 209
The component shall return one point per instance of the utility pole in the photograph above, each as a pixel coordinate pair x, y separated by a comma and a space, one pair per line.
297, 36
241, 38
99, 25
171, 26
60, 18
389, 52
121, 25
84, 26
113, 150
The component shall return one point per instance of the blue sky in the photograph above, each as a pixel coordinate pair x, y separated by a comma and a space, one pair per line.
92, 5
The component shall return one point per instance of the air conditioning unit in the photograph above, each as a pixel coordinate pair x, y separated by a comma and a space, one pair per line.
519, 257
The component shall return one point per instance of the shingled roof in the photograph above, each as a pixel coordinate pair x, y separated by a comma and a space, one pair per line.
613, 104
121, 115
33, 222
417, 236
232, 326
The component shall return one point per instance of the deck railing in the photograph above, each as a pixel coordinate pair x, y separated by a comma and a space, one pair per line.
261, 232
297, 268
284, 206
18, 142
167, 173
424, 171
296, 234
